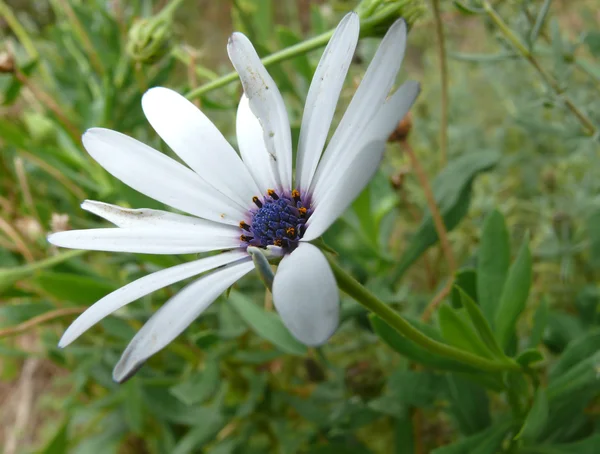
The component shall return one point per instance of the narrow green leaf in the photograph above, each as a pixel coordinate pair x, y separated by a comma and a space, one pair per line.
536, 418
540, 321
514, 296
452, 192
466, 279
469, 404
266, 324
577, 351
539, 21
81, 290
200, 386
593, 229
457, 331
466, 9
493, 261
529, 356
481, 324
59, 443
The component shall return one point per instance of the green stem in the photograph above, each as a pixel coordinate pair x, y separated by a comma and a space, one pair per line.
354, 289
366, 26
587, 124
8, 276
441, 41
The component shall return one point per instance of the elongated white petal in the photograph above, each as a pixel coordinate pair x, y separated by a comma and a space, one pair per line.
158, 176
251, 142
336, 190
306, 296
378, 130
175, 316
199, 143
345, 190
368, 99
141, 240
266, 102
323, 97
142, 287
145, 217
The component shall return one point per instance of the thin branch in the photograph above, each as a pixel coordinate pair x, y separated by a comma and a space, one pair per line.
435, 212
35, 321
441, 42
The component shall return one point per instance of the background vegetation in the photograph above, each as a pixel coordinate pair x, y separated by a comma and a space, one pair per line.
505, 132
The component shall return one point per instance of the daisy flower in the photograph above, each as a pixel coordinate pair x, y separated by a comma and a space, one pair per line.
234, 202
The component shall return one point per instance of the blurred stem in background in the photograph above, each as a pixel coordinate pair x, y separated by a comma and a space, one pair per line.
514, 40
441, 41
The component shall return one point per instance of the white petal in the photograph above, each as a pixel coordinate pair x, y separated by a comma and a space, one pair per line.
266, 102
175, 316
199, 143
142, 287
323, 97
345, 190
145, 217
251, 142
158, 176
306, 296
368, 99
378, 130
144, 240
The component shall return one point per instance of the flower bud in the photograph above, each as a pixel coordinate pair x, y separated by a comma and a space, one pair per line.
7, 63
149, 39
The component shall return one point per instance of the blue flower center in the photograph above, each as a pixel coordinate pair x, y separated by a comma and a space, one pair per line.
278, 220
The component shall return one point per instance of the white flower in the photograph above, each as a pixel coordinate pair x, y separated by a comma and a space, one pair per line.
234, 203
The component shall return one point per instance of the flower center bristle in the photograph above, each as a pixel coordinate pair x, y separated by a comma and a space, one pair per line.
278, 220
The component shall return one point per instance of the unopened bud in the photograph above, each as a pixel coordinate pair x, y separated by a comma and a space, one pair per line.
149, 39
400, 134
7, 63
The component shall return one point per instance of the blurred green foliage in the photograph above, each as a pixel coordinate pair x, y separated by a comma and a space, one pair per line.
519, 194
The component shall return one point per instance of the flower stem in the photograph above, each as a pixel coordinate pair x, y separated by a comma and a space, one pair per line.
587, 124
441, 42
363, 296
35, 321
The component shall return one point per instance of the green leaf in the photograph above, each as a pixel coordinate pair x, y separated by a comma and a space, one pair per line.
577, 351
529, 356
413, 351
200, 386
486, 442
592, 41
59, 443
81, 290
266, 324
493, 261
362, 207
586, 446
514, 296
452, 192
540, 321
134, 406
583, 375
466, 279
466, 9
481, 324
536, 418
593, 230
469, 404
301, 63
457, 331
